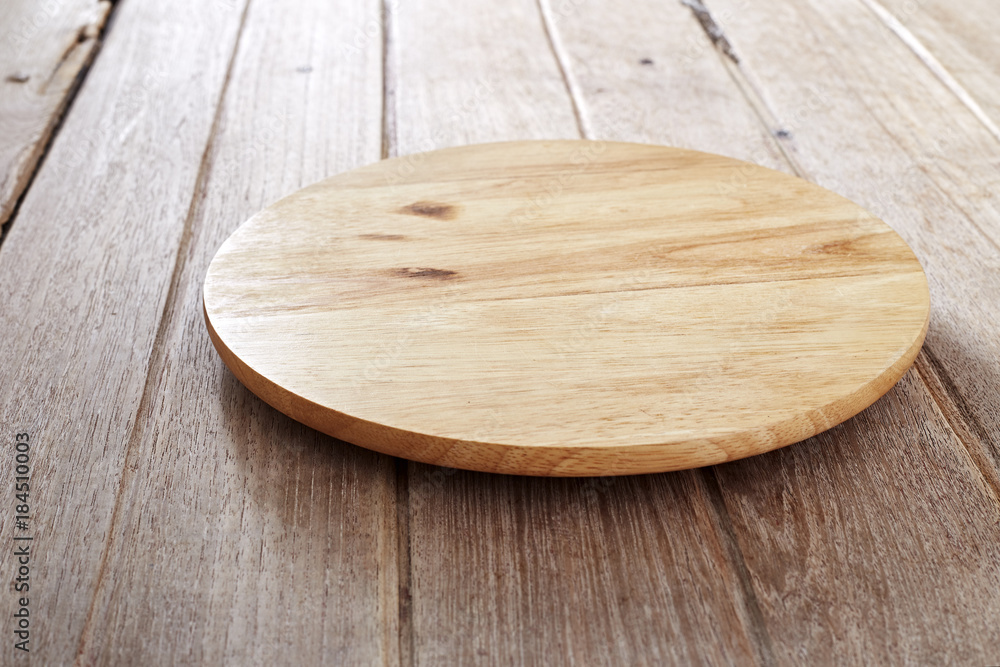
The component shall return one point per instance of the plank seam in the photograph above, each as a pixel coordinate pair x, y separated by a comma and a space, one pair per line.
562, 61
60, 116
404, 607
754, 617
712, 28
403, 563
933, 64
742, 80
388, 96
156, 358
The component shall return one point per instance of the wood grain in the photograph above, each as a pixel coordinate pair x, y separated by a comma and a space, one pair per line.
85, 273
241, 536
695, 607
913, 152
932, 178
957, 42
607, 302
875, 542
43, 47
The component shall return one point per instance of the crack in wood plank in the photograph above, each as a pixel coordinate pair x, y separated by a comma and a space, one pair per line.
86, 38
712, 28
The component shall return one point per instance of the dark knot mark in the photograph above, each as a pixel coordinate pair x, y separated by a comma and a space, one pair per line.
431, 209
646, 61
382, 237
423, 272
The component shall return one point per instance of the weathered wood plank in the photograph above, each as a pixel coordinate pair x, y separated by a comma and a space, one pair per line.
958, 42
903, 145
517, 570
243, 537
851, 540
874, 542
43, 47
833, 579
643, 76
84, 275
511, 90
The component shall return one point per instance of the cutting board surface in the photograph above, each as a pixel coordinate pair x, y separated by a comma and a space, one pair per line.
567, 307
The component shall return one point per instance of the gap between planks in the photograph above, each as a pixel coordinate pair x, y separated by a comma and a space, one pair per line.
157, 360
403, 569
956, 413
755, 624
65, 107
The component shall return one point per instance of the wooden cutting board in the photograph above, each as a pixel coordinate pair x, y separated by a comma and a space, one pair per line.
567, 307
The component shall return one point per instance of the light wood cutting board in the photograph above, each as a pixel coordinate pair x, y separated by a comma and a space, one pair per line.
567, 307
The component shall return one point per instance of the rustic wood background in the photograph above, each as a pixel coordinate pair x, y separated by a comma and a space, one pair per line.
179, 520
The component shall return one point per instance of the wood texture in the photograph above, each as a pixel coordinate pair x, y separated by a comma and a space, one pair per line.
910, 150
469, 593
607, 304
875, 542
957, 42
43, 47
85, 273
268, 542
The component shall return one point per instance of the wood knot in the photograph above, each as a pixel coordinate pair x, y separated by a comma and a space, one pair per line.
430, 209
424, 272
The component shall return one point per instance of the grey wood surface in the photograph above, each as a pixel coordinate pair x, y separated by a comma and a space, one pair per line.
176, 519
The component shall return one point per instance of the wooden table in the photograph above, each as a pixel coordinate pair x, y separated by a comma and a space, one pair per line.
176, 519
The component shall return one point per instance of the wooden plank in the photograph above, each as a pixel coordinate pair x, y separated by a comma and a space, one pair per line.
628, 570
656, 85
243, 537
957, 42
84, 275
835, 582
460, 103
518, 570
43, 47
895, 502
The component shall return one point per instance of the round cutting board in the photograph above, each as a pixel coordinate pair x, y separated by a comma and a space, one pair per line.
567, 307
